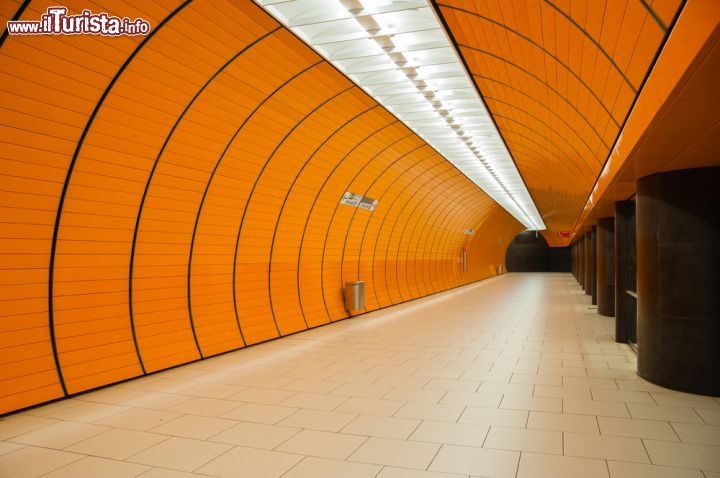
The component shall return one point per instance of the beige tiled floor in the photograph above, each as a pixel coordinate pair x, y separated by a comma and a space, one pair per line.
512, 377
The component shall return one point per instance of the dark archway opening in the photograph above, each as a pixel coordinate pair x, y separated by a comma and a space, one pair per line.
529, 252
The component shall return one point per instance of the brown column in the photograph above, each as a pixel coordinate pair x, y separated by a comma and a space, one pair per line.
587, 259
593, 269
678, 280
605, 275
625, 266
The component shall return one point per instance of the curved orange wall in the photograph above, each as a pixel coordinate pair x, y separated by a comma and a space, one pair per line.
172, 197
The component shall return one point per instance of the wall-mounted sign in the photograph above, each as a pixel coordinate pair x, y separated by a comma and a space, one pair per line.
351, 199
469, 232
368, 203
563, 233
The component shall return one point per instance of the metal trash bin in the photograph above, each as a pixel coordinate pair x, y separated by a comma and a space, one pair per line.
355, 295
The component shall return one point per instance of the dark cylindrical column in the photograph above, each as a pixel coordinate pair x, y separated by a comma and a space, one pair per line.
605, 275
574, 261
587, 260
625, 266
593, 269
581, 273
678, 280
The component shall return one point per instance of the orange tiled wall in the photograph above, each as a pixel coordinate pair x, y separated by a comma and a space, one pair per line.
171, 197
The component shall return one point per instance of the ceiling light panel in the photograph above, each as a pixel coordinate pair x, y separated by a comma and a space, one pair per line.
398, 52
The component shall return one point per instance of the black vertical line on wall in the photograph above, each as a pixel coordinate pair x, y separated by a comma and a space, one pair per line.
654, 61
434, 232
207, 188
315, 200
222, 157
170, 134
412, 235
420, 238
412, 182
436, 273
367, 190
450, 225
66, 186
15, 17
332, 217
292, 185
402, 233
432, 154
654, 15
262, 172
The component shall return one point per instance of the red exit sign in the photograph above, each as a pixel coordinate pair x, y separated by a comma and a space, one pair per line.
563, 233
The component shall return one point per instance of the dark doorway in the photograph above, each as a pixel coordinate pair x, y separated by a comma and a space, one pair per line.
529, 252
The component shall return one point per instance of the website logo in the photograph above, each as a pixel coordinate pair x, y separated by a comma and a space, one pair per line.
56, 21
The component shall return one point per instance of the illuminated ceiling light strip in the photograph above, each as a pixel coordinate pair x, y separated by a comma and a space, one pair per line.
397, 51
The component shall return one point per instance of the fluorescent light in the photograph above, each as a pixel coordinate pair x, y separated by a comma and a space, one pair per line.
398, 52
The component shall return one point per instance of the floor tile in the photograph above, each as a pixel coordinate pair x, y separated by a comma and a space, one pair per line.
7, 447
92, 466
466, 434
453, 385
605, 447
538, 441
374, 390
408, 394
370, 406
208, 407
506, 388
535, 379
684, 455
401, 453
259, 413
213, 390
194, 426
314, 401
318, 420
619, 469
251, 462
540, 404
60, 434
474, 399
255, 435
563, 422
709, 416
19, 424
33, 461
117, 444
87, 412
393, 472
633, 428
534, 465
576, 393
312, 467
492, 416
430, 411
383, 427
476, 461
599, 383
268, 396
685, 400
180, 454
156, 400
594, 407
627, 396
322, 444
141, 419
700, 434
661, 412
